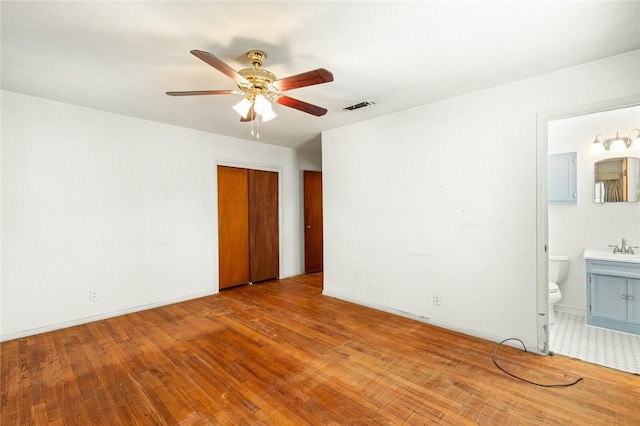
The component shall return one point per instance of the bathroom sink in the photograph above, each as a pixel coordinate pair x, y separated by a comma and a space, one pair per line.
606, 253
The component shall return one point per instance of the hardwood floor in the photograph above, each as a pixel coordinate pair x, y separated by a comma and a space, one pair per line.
281, 353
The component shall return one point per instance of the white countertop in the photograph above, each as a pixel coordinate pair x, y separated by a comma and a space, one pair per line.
606, 253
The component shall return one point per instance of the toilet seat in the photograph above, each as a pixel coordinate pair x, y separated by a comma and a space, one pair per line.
553, 287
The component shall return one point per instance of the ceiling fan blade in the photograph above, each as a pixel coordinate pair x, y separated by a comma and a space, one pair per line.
204, 92
302, 106
251, 115
308, 78
219, 65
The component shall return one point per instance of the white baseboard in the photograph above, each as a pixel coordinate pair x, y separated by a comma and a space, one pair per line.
93, 318
571, 310
531, 346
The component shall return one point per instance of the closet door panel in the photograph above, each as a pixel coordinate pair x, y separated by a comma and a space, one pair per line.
263, 225
233, 226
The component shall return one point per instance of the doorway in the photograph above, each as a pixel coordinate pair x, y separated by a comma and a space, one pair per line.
547, 242
313, 230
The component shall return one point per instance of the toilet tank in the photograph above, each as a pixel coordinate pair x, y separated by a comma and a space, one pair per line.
558, 268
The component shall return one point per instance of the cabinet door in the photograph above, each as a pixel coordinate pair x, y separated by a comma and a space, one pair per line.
608, 300
563, 178
633, 297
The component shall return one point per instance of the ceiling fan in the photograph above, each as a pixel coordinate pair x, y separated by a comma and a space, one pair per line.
261, 86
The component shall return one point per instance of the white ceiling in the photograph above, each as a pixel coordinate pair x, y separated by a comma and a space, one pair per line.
122, 57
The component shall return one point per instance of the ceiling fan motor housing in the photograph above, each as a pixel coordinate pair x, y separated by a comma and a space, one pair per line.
259, 78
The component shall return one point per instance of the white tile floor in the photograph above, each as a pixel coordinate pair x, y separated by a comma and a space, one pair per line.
571, 336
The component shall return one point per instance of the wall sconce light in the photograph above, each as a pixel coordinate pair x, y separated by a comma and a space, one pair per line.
618, 143
635, 140
599, 145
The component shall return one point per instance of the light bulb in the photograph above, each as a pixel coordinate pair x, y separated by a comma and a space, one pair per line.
597, 147
262, 106
270, 115
243, 107
634, 141
617, 145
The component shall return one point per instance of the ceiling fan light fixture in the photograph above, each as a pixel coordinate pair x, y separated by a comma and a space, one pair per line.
243, 107
270, 115
261, 87
262, 105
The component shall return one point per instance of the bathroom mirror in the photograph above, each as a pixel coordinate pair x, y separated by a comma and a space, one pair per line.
617, 180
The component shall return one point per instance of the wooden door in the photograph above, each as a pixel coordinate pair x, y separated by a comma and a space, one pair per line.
313, 261
233, 226
263, 225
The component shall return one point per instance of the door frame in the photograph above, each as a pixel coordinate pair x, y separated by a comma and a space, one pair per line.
214, 180
542, 211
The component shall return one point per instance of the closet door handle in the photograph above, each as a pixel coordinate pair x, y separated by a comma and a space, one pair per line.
630, 297
623, 297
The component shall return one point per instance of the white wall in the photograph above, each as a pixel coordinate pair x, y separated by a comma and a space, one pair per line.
573, 226
93, 200
442, 199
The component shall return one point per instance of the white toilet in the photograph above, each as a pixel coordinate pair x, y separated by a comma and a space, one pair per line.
558, 268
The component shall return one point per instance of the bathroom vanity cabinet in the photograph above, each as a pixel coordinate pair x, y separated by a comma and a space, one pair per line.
613, 295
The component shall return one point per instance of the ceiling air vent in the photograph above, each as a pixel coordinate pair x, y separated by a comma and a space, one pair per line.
358, 105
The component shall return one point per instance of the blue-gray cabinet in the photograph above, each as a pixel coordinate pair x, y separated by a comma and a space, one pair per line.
563, 187
613, 295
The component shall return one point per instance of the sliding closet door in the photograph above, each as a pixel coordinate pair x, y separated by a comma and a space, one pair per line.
248, 235
233, 226
263, 225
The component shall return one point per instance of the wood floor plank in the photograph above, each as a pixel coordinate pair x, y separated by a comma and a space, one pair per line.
280, 353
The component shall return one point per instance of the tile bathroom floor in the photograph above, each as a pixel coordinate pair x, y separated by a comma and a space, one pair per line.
570, 336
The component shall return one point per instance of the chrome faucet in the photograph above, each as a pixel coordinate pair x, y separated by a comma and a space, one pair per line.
624, 248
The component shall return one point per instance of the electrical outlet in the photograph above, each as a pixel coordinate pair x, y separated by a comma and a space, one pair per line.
436, 299
94, 295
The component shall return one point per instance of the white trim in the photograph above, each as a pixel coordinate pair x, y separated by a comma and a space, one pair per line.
542, 215
571, 310
542, 232
93, 318
247, 165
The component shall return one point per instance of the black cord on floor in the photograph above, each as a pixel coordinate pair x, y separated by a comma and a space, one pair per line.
495, 361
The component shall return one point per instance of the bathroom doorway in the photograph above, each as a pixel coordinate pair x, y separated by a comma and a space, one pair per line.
566, 228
